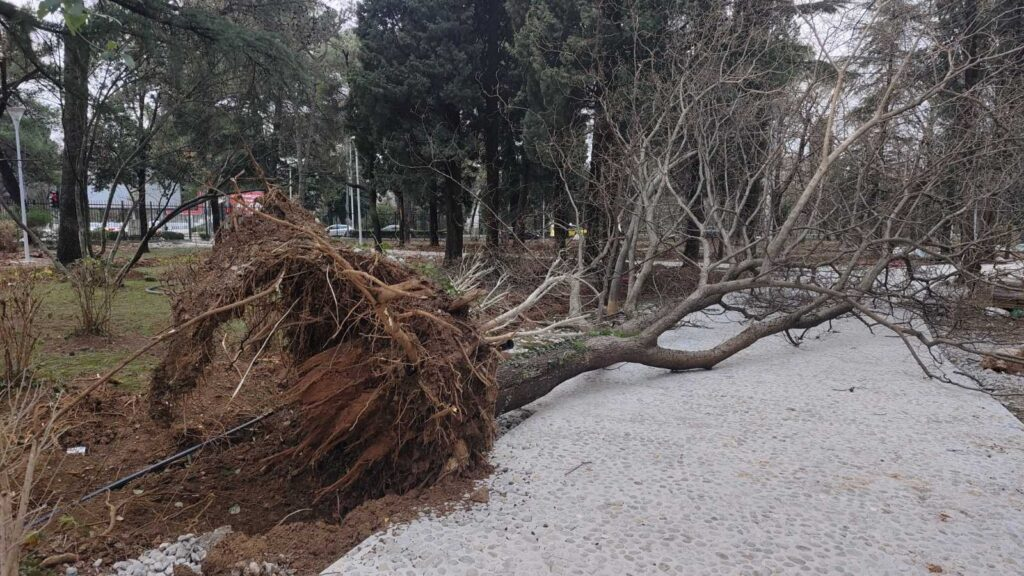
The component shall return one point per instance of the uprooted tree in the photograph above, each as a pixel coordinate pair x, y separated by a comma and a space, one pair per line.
792, 186
394, 384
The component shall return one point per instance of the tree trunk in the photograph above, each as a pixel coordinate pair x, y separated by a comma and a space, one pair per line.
691, 245
453, 212
215, 215
523, 380
491, 198
72, 240
403, 225
9, 178
561, 223
432, 223
141, 173
275, 140
371, 211
491, 24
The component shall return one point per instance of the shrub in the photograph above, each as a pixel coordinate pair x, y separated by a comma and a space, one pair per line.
38, 217
10, 236
24, 444
172, 235
92, 281
19, 304
204, 236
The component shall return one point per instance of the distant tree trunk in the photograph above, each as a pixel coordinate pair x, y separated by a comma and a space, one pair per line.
522, 188
432, 223
301, 148
491, 25
691, 245
9, 179
371, 211
72, 239
594, 219
275, 140
215, 214
561, 223
491, 198
399, 202
453, 212
141, 172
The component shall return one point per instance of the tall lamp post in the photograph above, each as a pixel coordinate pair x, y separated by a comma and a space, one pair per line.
16, 113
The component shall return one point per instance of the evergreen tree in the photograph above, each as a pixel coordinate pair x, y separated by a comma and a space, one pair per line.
415, 92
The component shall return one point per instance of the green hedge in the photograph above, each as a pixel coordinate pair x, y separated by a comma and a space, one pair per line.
172, 235
38, 217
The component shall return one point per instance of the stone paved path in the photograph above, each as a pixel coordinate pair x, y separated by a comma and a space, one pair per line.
764, 465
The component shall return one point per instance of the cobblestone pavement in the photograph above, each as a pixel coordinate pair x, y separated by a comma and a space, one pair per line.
768, 464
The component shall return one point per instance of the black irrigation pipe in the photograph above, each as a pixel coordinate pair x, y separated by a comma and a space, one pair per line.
154, 467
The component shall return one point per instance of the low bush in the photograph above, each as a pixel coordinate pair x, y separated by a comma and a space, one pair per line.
172, 235
92, 281
10, 236
38, 217
19, 305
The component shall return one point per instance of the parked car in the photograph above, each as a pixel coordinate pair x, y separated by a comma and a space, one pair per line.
111, 226
338, 230
391, 231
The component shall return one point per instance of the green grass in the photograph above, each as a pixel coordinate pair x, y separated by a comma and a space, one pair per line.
62, 369
133, 310
134, 315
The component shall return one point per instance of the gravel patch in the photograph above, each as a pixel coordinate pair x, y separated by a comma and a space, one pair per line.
188, 550
768, 464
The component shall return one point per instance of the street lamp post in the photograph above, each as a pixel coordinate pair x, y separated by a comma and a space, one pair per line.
16, 113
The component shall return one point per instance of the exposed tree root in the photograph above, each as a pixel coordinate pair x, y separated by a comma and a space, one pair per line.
396, 390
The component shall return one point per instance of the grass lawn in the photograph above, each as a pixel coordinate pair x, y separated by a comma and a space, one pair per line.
135, 314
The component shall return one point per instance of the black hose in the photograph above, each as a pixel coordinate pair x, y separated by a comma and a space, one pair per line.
153, 467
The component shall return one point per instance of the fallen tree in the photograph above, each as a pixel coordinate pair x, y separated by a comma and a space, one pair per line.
397, 385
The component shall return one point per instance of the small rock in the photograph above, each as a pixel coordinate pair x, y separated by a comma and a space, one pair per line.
71, 571
481, 495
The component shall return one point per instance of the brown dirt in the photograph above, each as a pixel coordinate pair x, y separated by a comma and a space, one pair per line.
310, 546
192, 495
273, 508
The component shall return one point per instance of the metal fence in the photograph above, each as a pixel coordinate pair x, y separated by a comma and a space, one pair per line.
193, 224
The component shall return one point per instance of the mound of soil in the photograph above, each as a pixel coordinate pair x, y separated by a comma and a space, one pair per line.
272, 508
309, 547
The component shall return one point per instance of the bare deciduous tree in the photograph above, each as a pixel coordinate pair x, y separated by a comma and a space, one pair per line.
807, 182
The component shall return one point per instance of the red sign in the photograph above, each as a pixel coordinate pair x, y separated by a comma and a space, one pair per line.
244, 201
